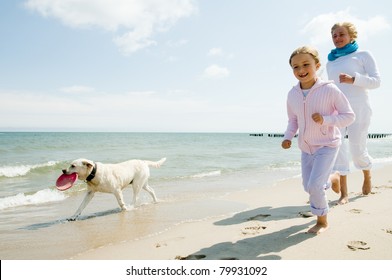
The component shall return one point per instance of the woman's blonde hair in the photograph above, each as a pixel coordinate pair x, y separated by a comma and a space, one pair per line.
351, 29
306, 50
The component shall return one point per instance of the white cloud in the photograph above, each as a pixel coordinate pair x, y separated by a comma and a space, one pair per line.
174, 110
318, 28
219, 52
135, 40
216, 72
133, 22
215, 52
77, 89
22, 107
29, 109
177, 44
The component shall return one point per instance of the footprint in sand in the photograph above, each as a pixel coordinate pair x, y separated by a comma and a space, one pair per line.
191, 257
358, 245
355, 211
306, 214
388, 230
366, 195
259, 217
165, 243
253, 230
383, 187
158, 245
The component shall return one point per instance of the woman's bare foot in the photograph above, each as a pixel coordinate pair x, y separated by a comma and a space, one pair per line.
320, 226
343, 200
343, 191
335, 180
367, 182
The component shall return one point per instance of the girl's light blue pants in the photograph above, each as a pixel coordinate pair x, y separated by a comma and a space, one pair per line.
316, 169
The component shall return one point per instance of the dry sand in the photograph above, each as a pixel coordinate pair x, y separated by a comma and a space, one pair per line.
272, 228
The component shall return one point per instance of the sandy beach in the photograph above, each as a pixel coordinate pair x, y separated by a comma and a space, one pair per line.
274, 228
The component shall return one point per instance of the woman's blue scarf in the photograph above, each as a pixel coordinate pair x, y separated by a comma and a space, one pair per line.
338, 52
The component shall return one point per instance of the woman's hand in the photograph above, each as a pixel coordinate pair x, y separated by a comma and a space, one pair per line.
346, 79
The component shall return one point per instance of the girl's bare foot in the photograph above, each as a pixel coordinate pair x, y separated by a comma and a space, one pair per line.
317, 229
320, 226
367, 182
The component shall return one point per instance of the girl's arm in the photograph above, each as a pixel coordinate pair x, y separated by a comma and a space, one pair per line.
345, 114
292, 125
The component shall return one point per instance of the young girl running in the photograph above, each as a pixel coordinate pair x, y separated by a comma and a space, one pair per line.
316, 109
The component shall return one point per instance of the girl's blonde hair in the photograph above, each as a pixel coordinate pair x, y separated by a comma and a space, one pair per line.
306, 50
351, 29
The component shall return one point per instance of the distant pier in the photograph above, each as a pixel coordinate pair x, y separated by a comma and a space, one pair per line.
267, 134
370, 135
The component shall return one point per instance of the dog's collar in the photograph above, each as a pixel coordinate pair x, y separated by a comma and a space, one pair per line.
92, 174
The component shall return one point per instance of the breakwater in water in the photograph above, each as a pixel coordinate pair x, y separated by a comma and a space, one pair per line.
370, 135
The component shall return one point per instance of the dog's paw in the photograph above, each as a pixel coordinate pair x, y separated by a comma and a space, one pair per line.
126, 208
72, 219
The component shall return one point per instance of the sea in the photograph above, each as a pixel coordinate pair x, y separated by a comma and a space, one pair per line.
200, 170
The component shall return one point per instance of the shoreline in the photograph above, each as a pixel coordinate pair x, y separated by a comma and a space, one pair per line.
272, 228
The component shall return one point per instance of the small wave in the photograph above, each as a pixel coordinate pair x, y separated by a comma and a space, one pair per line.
207, 174
290, 165
22, 170
382, 160
40, 197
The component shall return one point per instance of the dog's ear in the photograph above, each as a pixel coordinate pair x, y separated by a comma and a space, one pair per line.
88, 163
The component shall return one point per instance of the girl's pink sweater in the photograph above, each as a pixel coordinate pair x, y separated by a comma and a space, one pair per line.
324, 98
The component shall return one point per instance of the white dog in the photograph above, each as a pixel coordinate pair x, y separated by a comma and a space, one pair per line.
112, 178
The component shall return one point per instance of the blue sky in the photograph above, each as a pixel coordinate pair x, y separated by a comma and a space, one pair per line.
171, 65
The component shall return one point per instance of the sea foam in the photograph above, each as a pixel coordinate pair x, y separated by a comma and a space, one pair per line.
22, 170
207, 174
40, 197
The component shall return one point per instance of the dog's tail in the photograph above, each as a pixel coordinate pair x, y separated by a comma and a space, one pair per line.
155, 164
